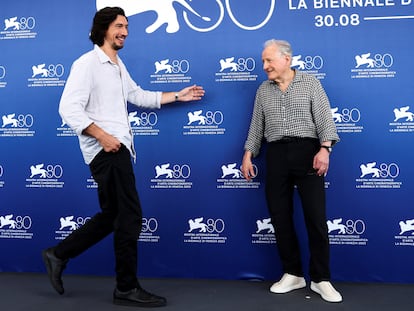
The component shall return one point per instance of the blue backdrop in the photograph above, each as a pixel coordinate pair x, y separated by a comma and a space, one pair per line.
201, 218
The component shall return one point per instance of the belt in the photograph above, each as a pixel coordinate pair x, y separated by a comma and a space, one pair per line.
292, 139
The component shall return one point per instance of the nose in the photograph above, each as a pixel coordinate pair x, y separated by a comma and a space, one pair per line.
124, 31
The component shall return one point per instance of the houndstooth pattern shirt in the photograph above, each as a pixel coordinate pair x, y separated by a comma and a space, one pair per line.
303, 110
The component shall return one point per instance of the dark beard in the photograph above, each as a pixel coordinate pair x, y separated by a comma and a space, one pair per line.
117, 47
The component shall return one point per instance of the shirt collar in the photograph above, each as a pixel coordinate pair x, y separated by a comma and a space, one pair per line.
298, 76
103, 58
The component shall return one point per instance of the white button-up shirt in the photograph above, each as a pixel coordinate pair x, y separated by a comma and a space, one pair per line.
97, 91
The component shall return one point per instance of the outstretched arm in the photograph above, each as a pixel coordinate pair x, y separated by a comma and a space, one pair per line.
194, 92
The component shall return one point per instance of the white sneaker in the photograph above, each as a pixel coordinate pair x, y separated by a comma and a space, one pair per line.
287, 283
327, 291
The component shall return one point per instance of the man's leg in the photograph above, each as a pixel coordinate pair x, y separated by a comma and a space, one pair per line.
312, 193
93, 231
279, 196
127, 227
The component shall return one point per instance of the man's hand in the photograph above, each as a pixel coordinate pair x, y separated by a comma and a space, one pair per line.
247, 166
194, 92
108, 142
321, 162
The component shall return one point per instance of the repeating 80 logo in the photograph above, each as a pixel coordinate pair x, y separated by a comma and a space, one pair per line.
215, 225
51, 71
383, 170
308, 62
355, 226
80, 221
143, 118
19, 222
23, 23
149, 225
346, 115
208, 226
2, 72
48, 171
176, 171
383, 60
22, 120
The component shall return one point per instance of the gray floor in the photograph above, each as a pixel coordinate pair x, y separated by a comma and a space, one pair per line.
32, 292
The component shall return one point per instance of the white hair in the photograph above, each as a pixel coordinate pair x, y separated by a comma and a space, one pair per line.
283, 46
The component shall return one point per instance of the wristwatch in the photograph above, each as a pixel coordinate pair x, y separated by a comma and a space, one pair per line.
329, 148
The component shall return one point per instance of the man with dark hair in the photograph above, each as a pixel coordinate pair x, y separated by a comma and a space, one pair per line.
292, 113
94, 105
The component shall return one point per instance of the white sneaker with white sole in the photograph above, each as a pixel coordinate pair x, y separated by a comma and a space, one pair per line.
327, 291
287, 283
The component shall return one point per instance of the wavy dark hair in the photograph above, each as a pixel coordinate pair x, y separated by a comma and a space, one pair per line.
103, 18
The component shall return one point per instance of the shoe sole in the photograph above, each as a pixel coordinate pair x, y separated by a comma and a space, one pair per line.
316, 290
49, 272
289, 289
124, 302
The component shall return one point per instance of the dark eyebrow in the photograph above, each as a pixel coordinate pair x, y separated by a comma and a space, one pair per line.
121, 24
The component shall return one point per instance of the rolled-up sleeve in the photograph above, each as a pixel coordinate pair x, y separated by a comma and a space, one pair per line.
321, 110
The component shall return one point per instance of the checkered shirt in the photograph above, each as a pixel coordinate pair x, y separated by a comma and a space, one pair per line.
303, 110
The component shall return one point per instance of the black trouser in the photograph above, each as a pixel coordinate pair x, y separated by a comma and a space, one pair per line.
290, 163
120, 213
